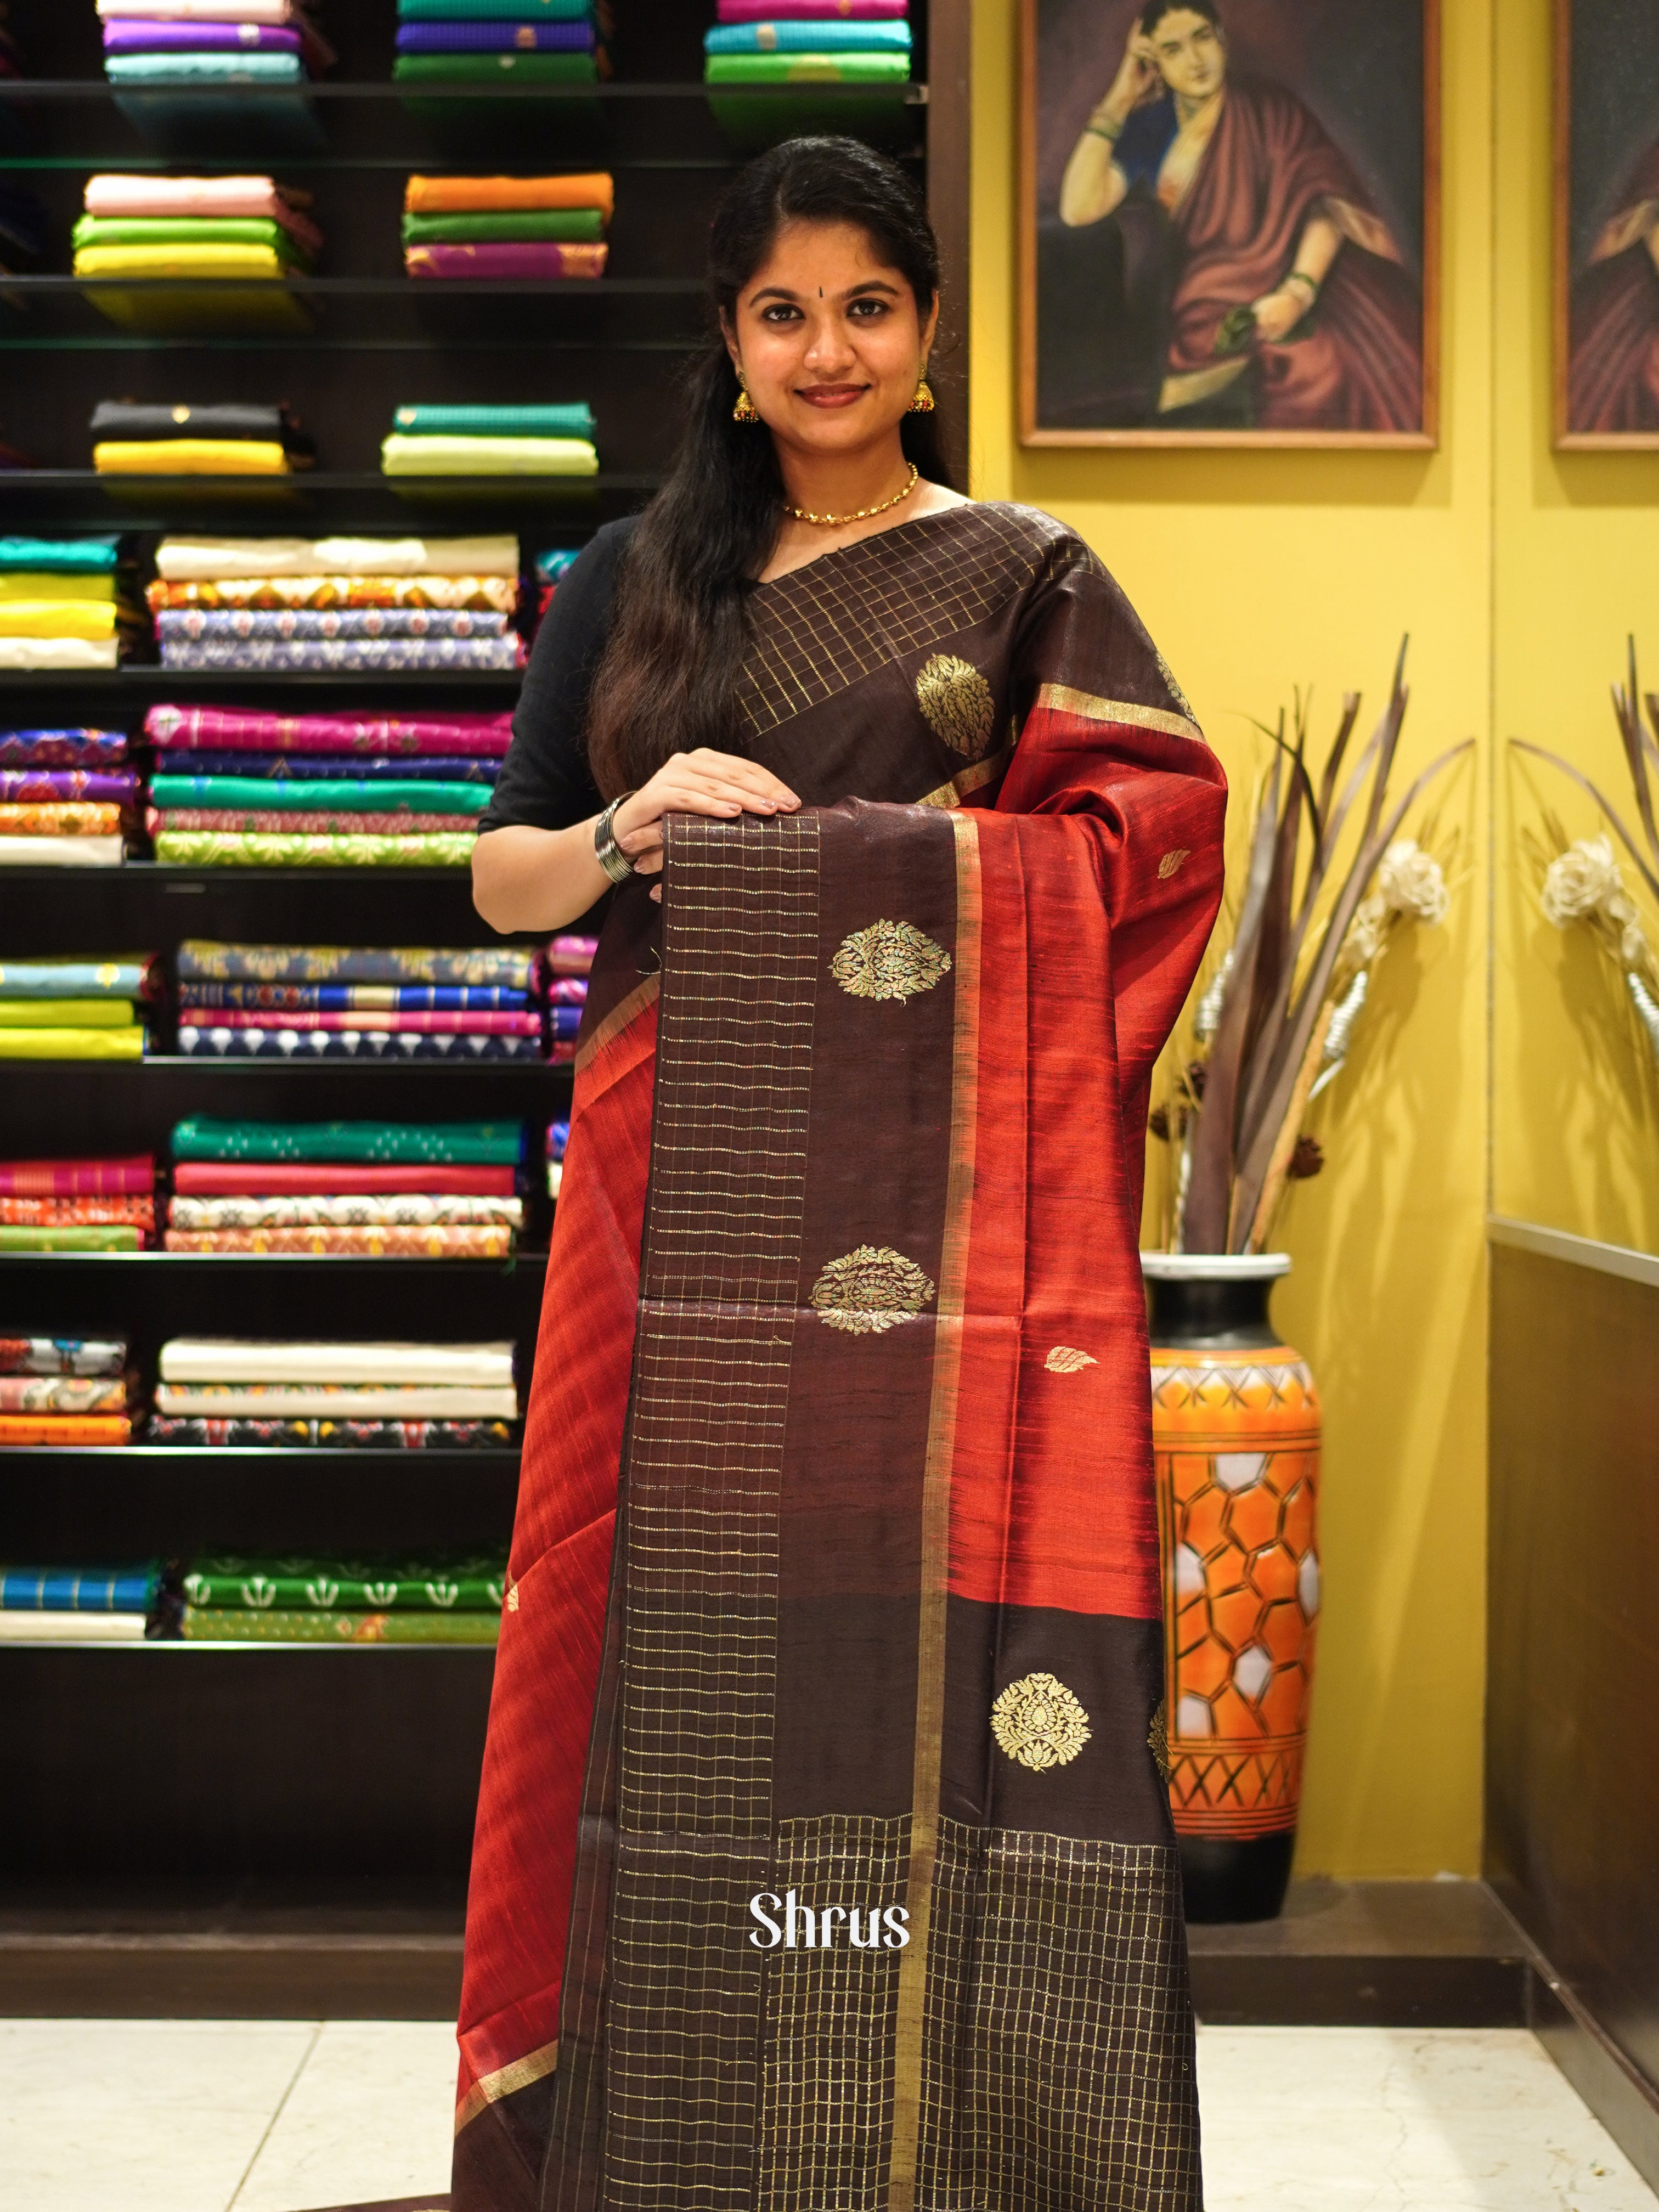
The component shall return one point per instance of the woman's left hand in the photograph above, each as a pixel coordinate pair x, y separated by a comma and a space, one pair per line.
1277, 313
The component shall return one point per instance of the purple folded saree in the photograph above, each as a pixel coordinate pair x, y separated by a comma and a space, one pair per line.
453, 37
520, 262
48, 785
232, 729
129, 35
316, 622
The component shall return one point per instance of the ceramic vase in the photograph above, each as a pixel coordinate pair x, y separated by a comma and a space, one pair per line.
1235, 1438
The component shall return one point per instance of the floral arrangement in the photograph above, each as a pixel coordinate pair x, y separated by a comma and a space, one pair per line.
1276, 1022
1581, 882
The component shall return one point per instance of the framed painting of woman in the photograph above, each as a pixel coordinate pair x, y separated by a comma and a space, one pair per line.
1230, 222
1606, 224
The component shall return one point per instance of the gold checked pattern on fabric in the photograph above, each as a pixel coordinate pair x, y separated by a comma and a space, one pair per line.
957, 703
888, 960
702, 1491
1038, 1721
869, 1291
902, 590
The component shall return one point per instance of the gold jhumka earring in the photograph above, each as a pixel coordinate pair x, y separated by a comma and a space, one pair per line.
745, 411
923, 402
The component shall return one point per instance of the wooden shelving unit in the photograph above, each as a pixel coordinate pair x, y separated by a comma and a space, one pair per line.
324, 1795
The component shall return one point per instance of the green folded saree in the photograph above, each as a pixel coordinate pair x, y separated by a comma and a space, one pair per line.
494, 68
225, 849
558, 226
72, 1044
73, 1237
474, 1584
191, 230
806, 68
217, 1625
393, 1143
64, 1014
315, 795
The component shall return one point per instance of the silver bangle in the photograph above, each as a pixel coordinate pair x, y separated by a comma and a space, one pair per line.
606, 851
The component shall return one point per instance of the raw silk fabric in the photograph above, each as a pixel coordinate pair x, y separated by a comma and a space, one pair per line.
345, 1243
497, 653
72, 1044
524, 263
881, 1372
431, 455
273, 1043
406, 1210
44, 584
508, 968
216, 848
460, 1143
229, 1179
497, 594
190, 457
473, 1584
63, 1355
230, 729
132, 1176
277, 1359
310, 624
205, 560
465, 195
85, 749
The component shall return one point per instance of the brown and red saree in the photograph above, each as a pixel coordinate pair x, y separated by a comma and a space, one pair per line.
823, 1856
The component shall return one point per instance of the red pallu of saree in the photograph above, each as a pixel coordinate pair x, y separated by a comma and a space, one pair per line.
875, 1630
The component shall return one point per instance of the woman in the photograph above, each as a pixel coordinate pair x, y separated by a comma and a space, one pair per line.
822, 1856
1614, 379
1290, 309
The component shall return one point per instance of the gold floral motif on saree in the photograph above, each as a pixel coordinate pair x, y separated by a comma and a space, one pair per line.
1066, 1359
888, 960
1158, 1738
958, 704
867, 1291
1038, 1721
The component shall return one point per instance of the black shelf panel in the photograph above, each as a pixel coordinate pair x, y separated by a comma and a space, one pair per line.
139, 682
320, 502
912, 93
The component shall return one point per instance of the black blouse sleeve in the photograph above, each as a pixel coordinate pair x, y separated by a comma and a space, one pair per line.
545, 782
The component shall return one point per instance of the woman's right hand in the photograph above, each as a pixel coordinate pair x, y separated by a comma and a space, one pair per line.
1136, 80
700, 783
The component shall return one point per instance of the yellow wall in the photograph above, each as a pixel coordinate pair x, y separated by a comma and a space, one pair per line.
1255, 572
1574, 1129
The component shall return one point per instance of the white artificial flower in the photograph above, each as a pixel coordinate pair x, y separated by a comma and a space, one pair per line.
1642, 1000
1411, 881
1365, 939
1581, 880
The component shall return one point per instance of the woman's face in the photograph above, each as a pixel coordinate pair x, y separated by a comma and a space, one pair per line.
1189, 52
828, 338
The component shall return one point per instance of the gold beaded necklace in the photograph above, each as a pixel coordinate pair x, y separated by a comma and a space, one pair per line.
863, 515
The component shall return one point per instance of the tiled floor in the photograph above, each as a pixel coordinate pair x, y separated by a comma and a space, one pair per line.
186, 2116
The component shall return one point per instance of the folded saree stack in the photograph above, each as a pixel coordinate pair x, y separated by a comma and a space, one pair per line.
376, 1190
491, 441
561, 988
234, 43
75, 1008
558, 1136
138, 438
61, 605
338, 1394
64, 1390
236, 788
471, 42
517, 229
551, 569
76, 1205
319, 1601
336, 1002
346, 604
233, 241
799, 41
67, 797
79, 1604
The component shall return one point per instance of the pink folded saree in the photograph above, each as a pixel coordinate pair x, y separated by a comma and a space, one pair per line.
201, 11
414, 1021
811, 11
528, 262
240, 196
133, 1175
233, 729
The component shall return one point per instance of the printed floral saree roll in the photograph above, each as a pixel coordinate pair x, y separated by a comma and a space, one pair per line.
462, 195
434, 1244
499, 593
836, 1569
319, 654
79, 750
58, 1394
215, 848
63, 1355
59, 819
452, 1143
52, 786
78, 1212
410, 1210
311, 623
336, 1436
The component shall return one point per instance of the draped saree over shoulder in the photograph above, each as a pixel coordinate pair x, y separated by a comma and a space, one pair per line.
845, 1284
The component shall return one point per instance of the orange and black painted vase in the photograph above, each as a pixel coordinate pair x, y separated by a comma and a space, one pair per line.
1235, 1438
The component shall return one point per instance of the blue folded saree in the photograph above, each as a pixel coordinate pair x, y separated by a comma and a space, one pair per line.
808, 37
79, 1590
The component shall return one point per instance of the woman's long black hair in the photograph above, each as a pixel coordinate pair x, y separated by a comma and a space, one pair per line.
667, 679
